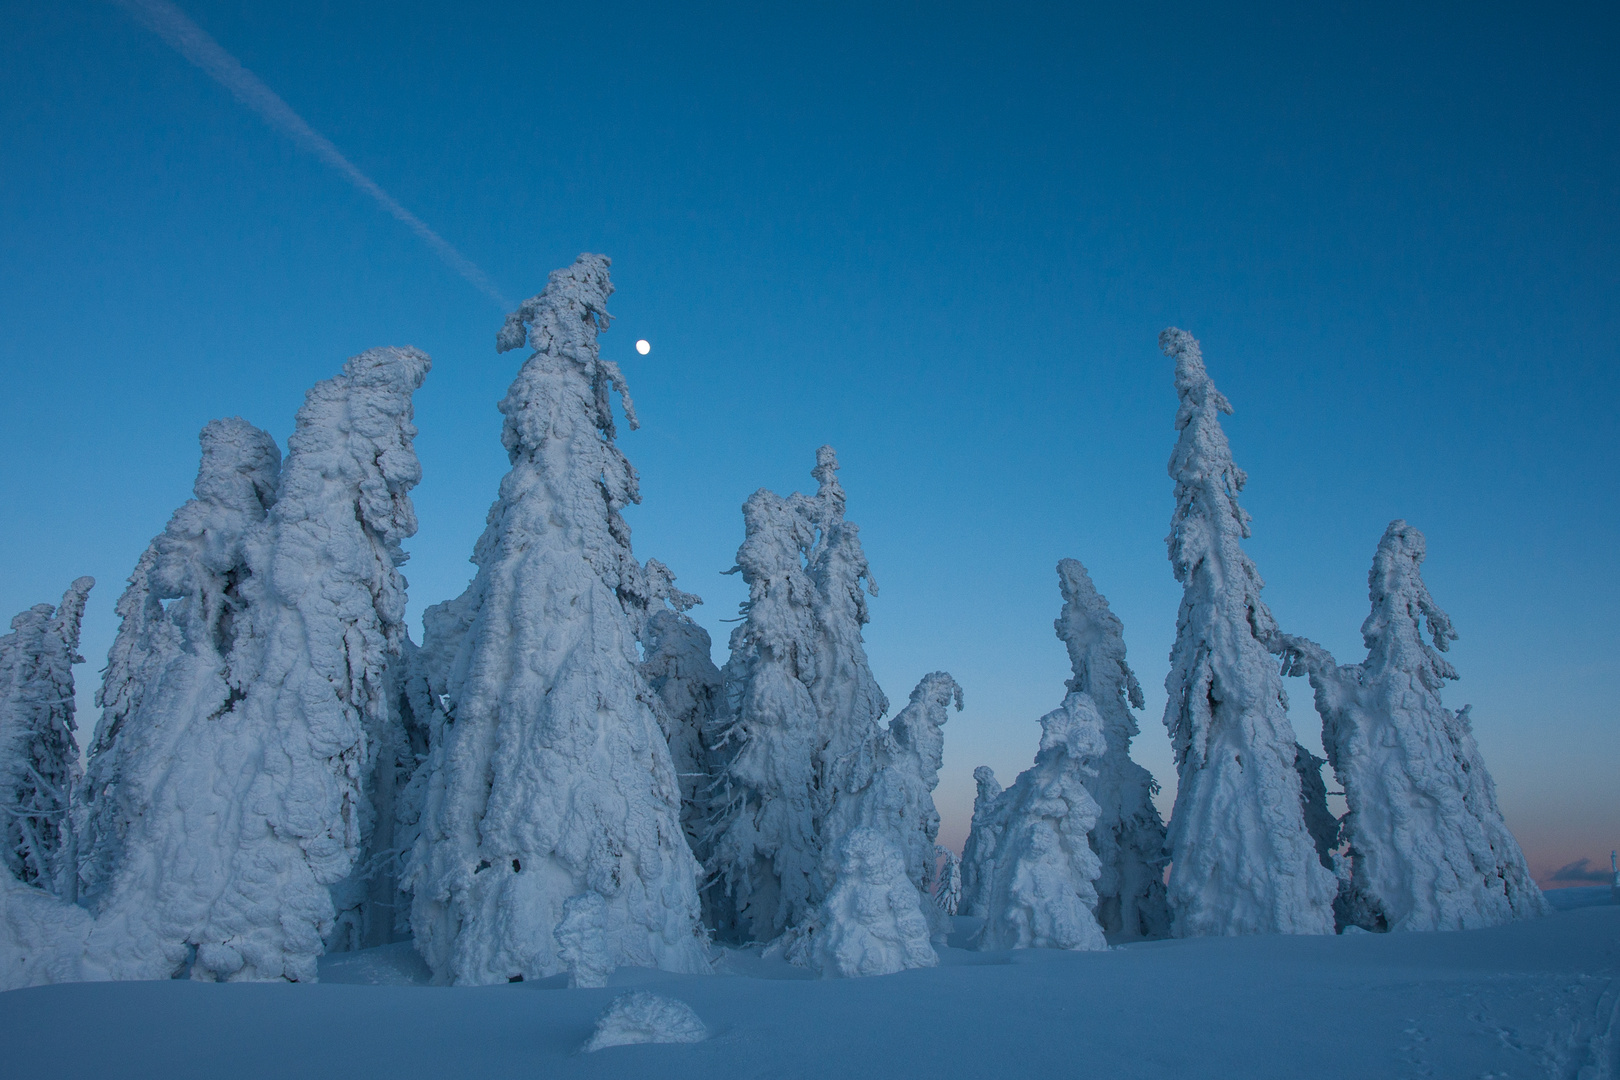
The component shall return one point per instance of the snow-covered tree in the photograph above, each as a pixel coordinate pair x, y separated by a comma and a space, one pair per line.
766, 851
1039, 886
979, 851
147, 801
550, 776
1129, 835
246, 764
948, 889
1242, 861
681, 672
1428, 847
872, 921
888, 783
39, 759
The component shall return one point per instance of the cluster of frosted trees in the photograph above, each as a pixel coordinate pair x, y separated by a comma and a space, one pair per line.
558, 780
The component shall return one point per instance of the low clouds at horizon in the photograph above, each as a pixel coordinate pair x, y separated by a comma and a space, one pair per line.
943, 243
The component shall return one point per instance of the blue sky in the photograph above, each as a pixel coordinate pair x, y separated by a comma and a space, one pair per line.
941, 238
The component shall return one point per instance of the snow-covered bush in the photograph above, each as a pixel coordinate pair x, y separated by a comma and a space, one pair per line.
1428, 847
1129, 835
236, 788
872, 921
641, 1017
549, 773
1039, 887
39, 759
1242, 861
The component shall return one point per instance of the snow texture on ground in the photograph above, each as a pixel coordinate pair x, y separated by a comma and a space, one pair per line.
1532, 999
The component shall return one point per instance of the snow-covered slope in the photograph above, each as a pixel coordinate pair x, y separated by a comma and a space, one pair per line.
1531, 999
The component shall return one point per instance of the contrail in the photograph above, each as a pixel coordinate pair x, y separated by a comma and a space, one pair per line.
192, 42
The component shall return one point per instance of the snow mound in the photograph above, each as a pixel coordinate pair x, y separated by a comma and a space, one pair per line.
645, 1018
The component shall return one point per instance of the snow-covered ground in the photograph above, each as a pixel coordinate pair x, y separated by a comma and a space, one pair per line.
1532, 999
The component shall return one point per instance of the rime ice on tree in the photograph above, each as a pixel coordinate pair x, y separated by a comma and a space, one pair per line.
800, 701
239, 780
979, 851
1038, 887
1242, 861
39, 759
1129, 835
871, 921
1428, 847
679, 669
550, 776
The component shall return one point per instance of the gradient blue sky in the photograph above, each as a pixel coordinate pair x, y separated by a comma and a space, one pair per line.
942, 239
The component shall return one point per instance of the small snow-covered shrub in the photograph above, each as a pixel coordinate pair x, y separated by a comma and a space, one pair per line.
641, 1017
872, 922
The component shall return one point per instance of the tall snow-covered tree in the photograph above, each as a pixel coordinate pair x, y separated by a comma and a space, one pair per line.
39, 759
1129, 835
1039, 886
550, 776
147, 802
237, 786
1242, 861
766, 850
1428, 847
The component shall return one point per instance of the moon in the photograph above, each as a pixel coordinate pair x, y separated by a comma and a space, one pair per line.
642, 347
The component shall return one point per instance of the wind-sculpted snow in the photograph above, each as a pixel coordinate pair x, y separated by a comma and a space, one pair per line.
1038, 885
236, 789
39, 759
549, 774
800, 705
1428, 847
640, 1017
1242, 861
1129, 835
872, 921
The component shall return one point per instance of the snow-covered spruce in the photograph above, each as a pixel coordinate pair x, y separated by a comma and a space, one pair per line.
948, 888
681, 673
639, 1017
1129, 835
872, 921
1039, 888
242, 775
1242, 861
157, 802
799, 699
549, 774
980, 848
888, 783
39, 759
1428, 847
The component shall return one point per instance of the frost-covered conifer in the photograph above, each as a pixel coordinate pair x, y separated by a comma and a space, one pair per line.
872, 920
1039, 887
766, 850
147, 800
39, 759
1428, 847
550, 776
948, 889
261, 804
681, 672
1242, 861
980, 848
1129, 835
888, 784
